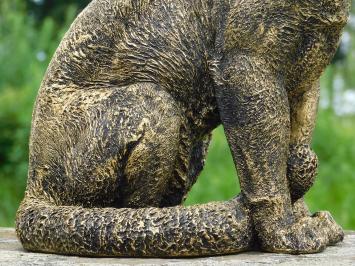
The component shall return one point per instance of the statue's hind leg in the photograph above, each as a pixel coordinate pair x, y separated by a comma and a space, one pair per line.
87, 217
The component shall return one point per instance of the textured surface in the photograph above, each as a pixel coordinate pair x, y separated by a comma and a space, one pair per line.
11, 253
123, 119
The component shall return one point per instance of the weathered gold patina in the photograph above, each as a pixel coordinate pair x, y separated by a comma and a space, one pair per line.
123, 119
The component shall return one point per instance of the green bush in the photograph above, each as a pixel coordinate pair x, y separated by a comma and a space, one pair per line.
25, 51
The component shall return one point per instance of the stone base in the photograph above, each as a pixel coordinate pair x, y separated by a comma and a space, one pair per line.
12, 253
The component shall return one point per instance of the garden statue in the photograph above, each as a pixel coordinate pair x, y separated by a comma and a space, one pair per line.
124, 116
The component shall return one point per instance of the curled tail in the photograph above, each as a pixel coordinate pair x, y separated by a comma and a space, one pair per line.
209, 229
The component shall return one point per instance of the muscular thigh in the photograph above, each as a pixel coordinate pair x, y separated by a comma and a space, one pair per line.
87, 150
149, 163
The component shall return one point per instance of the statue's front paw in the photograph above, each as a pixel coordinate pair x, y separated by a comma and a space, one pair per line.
334, 231
302, 167
300, 211
302, 236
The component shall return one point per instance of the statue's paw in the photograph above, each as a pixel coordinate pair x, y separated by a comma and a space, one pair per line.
302, 167
334, 231
304, 236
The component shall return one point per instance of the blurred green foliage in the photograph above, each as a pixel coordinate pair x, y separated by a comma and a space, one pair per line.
56, 9
25, 51
30, 31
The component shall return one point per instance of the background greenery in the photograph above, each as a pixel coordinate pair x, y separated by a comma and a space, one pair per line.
30, 31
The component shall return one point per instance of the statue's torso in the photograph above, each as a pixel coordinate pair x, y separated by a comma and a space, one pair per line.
171, 44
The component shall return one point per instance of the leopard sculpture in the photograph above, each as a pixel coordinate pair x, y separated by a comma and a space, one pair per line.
124, 116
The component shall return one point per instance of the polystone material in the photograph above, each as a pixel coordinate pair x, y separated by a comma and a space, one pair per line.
123, 119
12, 253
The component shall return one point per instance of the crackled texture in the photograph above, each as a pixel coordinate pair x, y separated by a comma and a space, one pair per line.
123, 118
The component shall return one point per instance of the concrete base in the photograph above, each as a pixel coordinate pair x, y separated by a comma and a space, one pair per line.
12, 253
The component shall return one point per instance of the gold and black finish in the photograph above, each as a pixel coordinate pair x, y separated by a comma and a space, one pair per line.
123, 118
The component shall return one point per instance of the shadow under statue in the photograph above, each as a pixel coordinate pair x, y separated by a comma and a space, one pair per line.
124, 116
